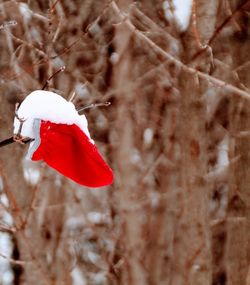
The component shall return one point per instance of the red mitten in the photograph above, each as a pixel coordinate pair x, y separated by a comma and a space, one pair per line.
67, 149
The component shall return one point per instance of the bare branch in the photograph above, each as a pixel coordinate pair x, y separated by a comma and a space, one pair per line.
13, 261
201, 75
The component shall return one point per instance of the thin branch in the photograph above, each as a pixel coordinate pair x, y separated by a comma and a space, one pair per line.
52, 9
227, 20
7, 142
194, 27
86, 31
61, 69
13, 261
7, 229
31, 207
45, 59
16, 212
242, 66
178, 63
57, 30
221, 27
150, 24
105, 104
8, 24
31, 46
72, 96
79, 110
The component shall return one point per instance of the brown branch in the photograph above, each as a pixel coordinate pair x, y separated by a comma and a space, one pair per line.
226, 21
221, 27
24, 140
94, 105
150, 24
45, 58
194, 27
8, 24
52, 9
61, 69
57, 30
13, 261
88, 28
7, 229
31, 46
176, 62
9, 194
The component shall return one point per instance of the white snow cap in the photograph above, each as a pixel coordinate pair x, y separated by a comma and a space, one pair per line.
47, 106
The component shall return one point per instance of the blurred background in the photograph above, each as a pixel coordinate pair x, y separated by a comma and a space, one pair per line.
177, 136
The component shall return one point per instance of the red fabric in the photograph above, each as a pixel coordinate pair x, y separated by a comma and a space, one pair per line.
67, 149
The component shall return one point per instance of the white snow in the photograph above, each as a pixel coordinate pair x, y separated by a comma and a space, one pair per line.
99, 278
75, 223
36, 36
148, 136
97, 218
1, 184
82, 91
8, 277
4, 200
93, 257
95, 28
32, 176
135, 157
78, 277
114, 58
223, 148
47, 106
6, 274
101, 122
25, 11
182, 12
31, 172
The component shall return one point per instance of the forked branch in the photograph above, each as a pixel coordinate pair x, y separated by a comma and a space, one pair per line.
215, 81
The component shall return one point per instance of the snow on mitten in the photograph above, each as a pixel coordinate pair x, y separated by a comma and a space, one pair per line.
61, 139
